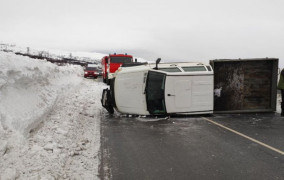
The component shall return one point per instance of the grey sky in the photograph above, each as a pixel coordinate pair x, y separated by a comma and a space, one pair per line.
179, 30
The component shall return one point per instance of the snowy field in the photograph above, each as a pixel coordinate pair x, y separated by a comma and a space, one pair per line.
49, 120
91, 57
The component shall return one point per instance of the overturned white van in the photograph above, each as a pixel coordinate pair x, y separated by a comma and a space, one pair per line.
170, 88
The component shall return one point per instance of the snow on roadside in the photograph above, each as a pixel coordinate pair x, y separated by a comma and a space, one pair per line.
66, 146
29, 88
49, 120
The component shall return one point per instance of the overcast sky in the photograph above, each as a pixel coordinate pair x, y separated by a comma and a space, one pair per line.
175, 30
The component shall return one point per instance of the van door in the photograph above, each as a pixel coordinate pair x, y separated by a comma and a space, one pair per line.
178, 94
189, 94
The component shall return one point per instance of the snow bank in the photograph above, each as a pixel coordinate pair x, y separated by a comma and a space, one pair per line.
28, 90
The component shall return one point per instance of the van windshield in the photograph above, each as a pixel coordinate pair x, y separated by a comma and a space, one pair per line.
155, 93
120, 59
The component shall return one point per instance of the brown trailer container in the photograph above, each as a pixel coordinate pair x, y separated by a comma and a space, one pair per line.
245, 85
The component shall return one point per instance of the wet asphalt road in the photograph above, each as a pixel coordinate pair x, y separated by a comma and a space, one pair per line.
191, 148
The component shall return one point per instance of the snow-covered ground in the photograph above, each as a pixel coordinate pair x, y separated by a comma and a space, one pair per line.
55, 54
92, 57
49, 120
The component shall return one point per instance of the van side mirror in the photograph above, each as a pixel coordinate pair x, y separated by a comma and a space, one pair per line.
157, 62
106, 60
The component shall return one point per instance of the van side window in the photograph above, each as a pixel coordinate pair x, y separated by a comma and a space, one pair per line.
209, 68
194, 68
175, 69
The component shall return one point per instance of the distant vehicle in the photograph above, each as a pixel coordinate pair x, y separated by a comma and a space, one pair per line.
91, 72
172, 88
100, 71
92, 65
111, 63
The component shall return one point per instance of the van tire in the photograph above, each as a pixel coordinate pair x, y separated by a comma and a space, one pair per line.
106, 101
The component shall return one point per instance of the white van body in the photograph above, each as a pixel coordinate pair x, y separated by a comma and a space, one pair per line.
173, 88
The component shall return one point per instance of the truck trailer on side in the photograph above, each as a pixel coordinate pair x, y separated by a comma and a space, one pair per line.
245, 85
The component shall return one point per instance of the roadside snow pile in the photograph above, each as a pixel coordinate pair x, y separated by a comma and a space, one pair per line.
28, 90
49, 120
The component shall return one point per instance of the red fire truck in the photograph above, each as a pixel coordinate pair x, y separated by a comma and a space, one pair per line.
112, 62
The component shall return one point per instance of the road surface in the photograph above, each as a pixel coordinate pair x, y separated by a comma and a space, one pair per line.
191, 148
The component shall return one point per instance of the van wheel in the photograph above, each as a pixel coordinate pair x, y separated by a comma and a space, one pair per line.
106, 101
